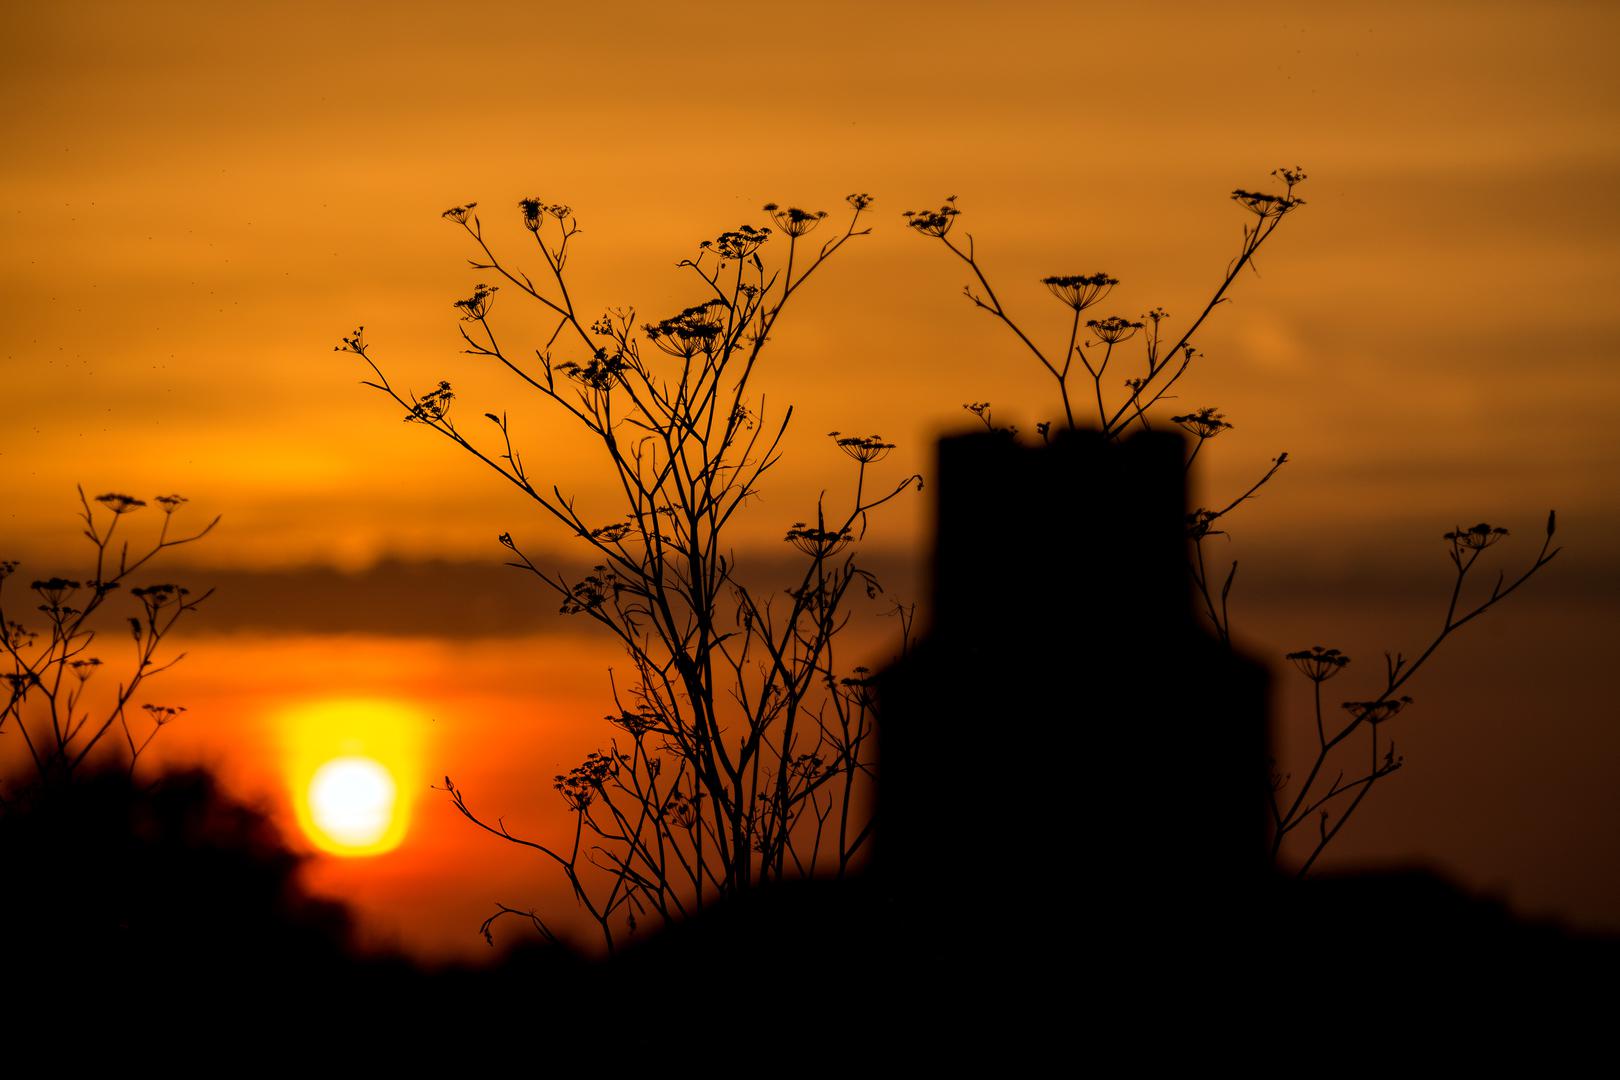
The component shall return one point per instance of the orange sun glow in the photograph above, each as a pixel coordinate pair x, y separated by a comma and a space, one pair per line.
353, 766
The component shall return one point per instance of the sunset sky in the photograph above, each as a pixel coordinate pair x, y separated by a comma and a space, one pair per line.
201, 199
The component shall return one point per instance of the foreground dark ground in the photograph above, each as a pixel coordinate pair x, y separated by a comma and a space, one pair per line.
1032, 890
172, 913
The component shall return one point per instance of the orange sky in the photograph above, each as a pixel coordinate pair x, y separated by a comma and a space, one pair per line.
202, 199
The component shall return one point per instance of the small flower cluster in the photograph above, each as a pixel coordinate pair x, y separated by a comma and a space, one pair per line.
476, 307
807, 766
602, 372
1269, 207
581, 783
592, 592
533, 209
458, 214
1376, 712
55, 591
1206, 423
354, 343
1292, 177
162, 714
612, 534
83, 669
1080, 291
119, 503
863, 448
1113, 329
636, 723
432, 406
170, 503
157, 597
21, 681
859, 200
696, 329
934, 222
1477, 538
818, 543
1318, 664
681, 810
737, 244
793, 221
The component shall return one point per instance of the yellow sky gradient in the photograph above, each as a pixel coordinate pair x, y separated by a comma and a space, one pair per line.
200, 199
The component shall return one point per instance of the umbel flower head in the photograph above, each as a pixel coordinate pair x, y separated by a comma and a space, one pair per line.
458, 214
602, 372
581, 783
532, 208
119, 503
696, 329
612, 534
818, 543
863, 448
1476, 538
636, 723
1113, 329
1267, 207
681, 810
1376, 712
793, 221
934, 222
737, 244
592, 592
1080, 291
54, 591
1206, 423
162, 714
476, 307
432, 406
1318, 664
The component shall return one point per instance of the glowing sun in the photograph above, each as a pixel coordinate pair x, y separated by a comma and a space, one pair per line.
354, 768
351, 801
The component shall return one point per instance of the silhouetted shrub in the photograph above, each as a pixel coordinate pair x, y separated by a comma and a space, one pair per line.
48, 664
743, 745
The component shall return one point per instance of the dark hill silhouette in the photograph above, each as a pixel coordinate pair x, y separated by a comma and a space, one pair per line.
1072, 839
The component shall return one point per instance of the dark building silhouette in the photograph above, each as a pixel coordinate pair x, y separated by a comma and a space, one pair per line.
1069, 759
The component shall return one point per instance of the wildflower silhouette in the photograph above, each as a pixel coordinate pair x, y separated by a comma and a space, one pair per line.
48, 698
743, 749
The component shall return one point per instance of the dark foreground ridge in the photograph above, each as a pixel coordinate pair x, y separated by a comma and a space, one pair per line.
1072, 844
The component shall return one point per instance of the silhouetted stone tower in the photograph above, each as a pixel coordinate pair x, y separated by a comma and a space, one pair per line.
1068, 743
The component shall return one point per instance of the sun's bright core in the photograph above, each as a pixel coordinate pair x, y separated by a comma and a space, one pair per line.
354, 767
351, 801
